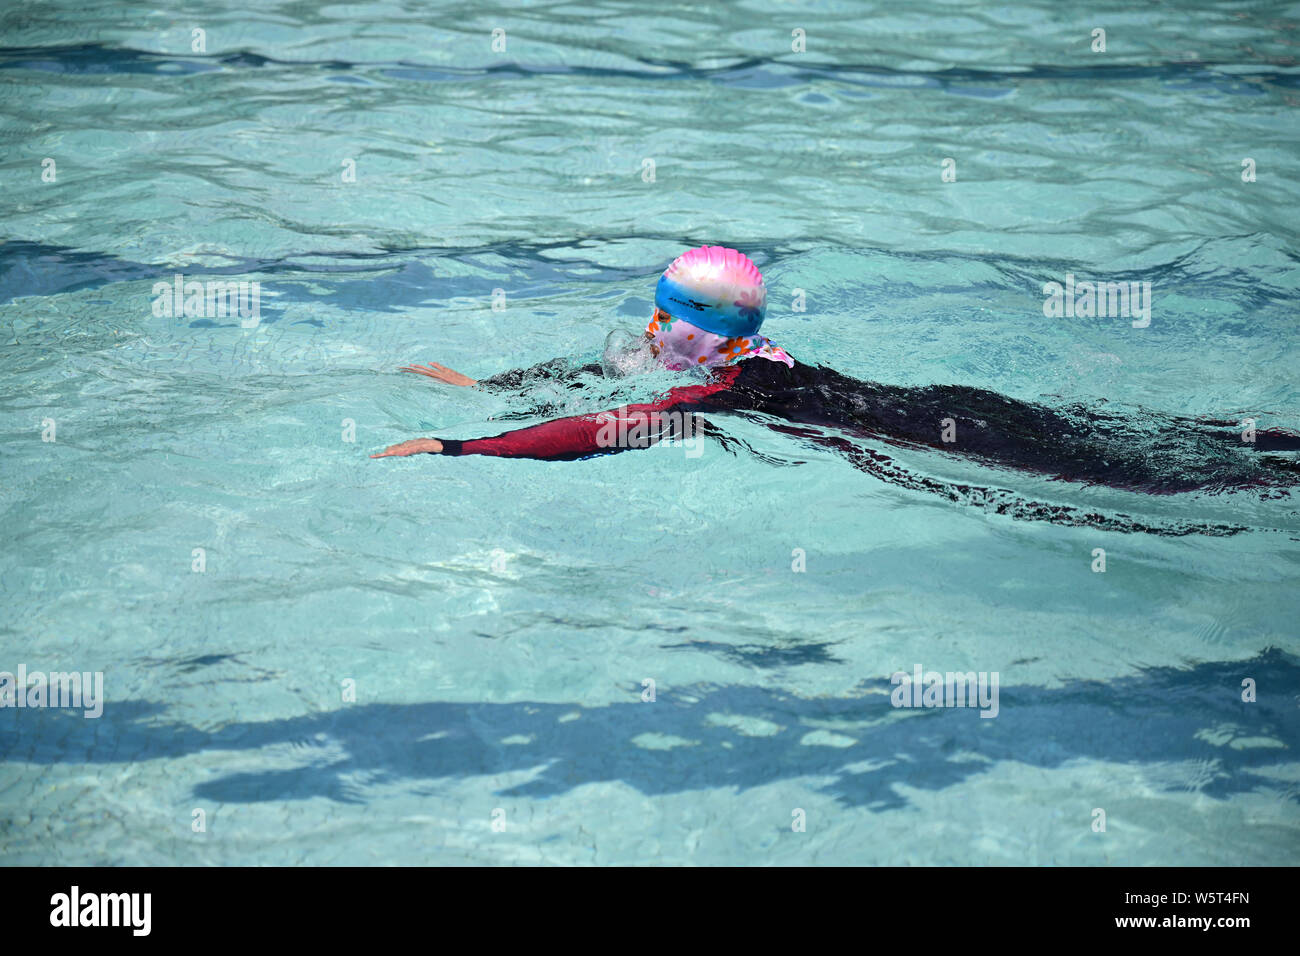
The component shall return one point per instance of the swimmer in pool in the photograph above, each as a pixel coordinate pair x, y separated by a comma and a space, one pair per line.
709, 306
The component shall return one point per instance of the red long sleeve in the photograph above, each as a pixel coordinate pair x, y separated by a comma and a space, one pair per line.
580, 436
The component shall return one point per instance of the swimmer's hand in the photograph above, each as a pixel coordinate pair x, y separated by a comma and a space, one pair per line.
416, 446
440, 373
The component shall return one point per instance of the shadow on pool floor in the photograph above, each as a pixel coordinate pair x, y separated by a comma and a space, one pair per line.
1158, 716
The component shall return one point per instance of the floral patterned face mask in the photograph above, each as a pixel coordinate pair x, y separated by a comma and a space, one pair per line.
679, 345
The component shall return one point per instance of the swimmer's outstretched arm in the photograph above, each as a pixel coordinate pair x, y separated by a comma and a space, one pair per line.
416, 446
580, 436
557, 368
440, 373
564, 439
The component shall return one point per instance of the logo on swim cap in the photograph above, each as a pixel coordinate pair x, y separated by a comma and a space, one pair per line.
715, 289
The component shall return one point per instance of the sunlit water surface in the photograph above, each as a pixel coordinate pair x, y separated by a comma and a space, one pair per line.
497, 618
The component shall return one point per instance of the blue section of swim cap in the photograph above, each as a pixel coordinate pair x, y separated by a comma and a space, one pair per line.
720, 318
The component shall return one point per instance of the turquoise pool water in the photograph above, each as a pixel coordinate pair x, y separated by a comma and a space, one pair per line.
496, 619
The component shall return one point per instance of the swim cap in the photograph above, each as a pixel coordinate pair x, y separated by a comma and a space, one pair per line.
715, 289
